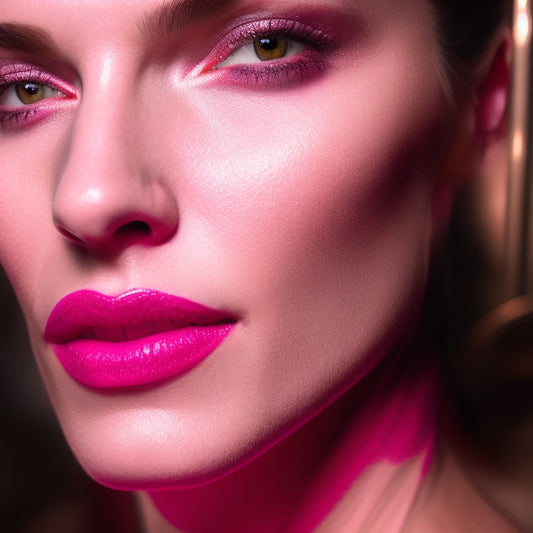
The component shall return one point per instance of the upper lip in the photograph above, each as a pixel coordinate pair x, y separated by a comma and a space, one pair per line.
134, 314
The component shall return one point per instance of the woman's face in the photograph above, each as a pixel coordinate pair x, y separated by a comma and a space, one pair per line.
145, 145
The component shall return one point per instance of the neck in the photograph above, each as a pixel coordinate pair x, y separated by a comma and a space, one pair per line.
366, 452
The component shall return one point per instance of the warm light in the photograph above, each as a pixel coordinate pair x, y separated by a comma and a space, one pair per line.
518, 145
522, 22
522, 27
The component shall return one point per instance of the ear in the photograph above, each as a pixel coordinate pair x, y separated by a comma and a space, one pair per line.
492, 95
478, 143
480, 119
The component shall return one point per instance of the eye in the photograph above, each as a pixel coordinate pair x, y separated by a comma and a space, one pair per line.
270, 53
263, 48
27, 93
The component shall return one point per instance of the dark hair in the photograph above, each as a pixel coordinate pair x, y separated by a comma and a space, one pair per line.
466, 29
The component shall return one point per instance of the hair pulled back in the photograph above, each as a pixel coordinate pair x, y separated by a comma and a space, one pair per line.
466, 29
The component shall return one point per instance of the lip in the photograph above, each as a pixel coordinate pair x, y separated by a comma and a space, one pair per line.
138, 338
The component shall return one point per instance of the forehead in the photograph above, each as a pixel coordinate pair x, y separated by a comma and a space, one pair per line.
135, 11
160, 16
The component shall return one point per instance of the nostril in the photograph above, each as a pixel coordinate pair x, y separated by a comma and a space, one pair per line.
136, 227
70, 236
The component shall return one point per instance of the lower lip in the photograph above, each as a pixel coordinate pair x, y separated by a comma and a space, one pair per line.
148, 360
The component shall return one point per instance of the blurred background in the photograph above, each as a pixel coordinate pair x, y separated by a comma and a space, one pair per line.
43, 489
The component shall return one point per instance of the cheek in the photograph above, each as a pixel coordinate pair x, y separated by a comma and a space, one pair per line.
27, 231
302, 185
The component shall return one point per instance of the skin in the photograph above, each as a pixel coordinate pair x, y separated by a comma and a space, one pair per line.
306, 209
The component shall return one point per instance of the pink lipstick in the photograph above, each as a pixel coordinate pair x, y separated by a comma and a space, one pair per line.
140, 337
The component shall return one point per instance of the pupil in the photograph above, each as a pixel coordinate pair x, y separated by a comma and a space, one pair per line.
31, 88
268, 43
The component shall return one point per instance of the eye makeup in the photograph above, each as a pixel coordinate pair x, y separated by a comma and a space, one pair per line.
311, 37
309, 59
13, 76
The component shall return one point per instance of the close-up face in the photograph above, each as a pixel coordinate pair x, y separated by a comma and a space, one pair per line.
271, 164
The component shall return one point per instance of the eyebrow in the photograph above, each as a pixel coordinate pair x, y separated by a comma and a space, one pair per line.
176, 15
25, 38
172, 17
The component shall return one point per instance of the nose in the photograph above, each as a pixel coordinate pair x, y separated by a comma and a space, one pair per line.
109, 194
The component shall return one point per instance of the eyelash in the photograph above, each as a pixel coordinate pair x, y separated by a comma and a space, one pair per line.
14, 117
288, 70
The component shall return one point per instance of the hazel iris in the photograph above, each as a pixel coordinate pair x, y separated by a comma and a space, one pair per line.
29, 93
270, 47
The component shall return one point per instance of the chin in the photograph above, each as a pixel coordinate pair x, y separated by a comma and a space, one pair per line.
144, 449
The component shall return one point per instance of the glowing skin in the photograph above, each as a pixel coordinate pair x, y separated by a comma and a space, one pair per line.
295, 196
